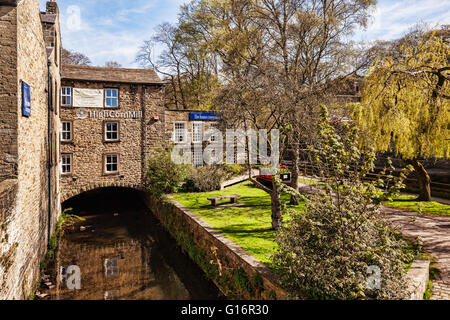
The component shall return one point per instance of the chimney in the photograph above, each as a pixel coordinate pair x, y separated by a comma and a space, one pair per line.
52, 7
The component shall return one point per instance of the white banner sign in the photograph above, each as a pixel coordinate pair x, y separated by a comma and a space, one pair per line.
88, 98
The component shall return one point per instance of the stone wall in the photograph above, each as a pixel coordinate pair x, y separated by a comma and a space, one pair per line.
8, 92
8, 191
235, 272
417, 278
53, 46
28, 225
137, 136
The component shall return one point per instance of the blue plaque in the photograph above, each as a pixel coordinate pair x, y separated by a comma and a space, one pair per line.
204, 116
26, 99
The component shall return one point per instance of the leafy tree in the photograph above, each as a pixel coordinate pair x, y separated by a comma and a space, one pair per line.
276, 58
329, 251
73, 57
405, 103
188, 68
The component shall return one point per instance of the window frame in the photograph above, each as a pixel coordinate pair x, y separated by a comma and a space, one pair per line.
105, 131
105, 164
185, 136
105, 90
70, 132
197, 153
65, 96
213, 126
111, 268
70, 155
201, 133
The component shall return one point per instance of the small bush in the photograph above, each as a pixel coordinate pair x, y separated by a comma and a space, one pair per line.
205, 179
163, 175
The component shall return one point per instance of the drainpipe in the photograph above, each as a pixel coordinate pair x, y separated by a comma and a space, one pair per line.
49, 137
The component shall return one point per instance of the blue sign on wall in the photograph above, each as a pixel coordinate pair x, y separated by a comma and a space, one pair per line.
204, 116
26, 100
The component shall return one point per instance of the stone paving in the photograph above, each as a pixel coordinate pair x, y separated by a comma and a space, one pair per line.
435, 234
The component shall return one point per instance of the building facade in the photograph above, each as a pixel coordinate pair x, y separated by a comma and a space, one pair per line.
111, 119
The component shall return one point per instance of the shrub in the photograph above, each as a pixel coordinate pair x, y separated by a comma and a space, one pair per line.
163, 175
328, 251
205, 179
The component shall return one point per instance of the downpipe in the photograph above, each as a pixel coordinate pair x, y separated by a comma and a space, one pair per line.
50, 152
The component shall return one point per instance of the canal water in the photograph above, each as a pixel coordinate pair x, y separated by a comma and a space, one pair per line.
121, 251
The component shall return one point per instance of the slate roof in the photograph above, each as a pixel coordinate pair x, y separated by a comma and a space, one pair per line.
102, 74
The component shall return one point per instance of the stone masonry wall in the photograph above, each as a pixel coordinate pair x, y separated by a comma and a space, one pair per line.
88, 146
28, 226
8, 192
235, 272
8, 92
54, 57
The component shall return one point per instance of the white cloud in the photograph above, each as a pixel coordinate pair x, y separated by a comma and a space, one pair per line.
393, 19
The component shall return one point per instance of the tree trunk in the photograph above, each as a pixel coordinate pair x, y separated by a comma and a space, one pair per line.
277, 217
423, 180
294, 177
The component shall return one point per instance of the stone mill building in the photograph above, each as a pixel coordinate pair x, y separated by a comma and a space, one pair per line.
65, 130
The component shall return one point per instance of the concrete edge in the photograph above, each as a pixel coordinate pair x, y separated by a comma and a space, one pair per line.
417, 278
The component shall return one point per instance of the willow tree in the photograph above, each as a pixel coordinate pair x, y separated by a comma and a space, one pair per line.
405, 102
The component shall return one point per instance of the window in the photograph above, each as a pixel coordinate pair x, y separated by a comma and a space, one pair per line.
197, 132
198, 157
180, 132
66, 163
111, 131
111, 267
111, 98
213, 137
111, 163
66, 132
66, 96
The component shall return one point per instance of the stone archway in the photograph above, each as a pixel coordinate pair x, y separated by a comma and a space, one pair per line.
77, 190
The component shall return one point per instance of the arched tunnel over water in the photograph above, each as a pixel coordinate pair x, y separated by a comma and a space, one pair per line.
123, 252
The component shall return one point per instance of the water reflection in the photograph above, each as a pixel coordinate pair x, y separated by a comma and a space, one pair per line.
123, 253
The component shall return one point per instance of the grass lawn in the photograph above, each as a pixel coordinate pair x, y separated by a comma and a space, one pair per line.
409, 203
249, 225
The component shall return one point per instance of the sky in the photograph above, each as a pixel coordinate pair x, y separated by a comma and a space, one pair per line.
113, 30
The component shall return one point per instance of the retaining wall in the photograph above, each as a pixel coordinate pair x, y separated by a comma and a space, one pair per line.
235, 272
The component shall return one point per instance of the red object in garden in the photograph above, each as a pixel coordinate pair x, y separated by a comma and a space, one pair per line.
267, 180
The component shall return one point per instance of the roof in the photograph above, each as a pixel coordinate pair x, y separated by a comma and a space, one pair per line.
101, 74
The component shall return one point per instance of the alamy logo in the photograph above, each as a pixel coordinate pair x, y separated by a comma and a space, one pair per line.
374, 281
241, 147
71, 276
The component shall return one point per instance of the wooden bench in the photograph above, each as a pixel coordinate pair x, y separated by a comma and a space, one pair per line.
215, 201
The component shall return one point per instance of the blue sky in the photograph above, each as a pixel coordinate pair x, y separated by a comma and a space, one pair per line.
115, 29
